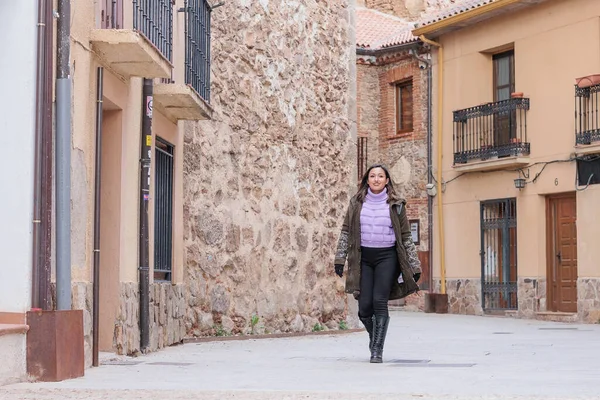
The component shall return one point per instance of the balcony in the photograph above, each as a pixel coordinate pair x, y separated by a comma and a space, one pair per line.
144, 51
491, 136
190, 101
587, 117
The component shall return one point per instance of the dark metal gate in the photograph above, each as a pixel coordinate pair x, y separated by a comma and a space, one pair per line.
163, 210
499, 254
197, 46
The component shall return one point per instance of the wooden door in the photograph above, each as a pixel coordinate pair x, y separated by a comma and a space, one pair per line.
562, 253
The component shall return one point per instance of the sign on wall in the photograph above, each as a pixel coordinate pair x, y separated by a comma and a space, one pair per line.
415, 230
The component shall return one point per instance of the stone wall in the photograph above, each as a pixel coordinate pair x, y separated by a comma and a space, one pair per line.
464, 295
409, 9
267, 182
531, 296
167, 311
588, 303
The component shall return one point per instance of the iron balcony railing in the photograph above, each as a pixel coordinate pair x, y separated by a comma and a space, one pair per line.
154, 19
111, 14
491, 130
197, 46
587, 118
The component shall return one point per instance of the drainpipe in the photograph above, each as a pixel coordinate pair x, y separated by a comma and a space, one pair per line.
145, 159
42, 188
440, 214
63, 157
97, 188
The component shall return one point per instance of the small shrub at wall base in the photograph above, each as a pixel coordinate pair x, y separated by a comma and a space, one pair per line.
343, 325
253, 322
318, 327
220, 331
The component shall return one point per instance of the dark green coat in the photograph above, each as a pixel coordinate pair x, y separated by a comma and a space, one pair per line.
349, 247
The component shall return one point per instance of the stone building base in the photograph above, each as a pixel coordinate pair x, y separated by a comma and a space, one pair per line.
167, 311
588, 303
464, 297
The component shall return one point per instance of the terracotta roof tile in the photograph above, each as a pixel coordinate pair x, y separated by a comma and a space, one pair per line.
459, 7
377, 30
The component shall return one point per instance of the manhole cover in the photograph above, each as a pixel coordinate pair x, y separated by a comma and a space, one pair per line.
120, 362
177, 364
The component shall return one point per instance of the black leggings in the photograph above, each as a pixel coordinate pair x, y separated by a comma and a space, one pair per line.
378, 270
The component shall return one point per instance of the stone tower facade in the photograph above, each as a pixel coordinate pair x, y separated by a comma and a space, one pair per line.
267, 181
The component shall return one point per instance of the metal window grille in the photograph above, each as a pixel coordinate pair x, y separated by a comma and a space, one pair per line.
197, 46
154, 19
163, 210
587, 117
111, 14
361, 156
499, 254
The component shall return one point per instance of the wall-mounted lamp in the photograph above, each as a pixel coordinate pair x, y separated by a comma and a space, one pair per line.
520, 183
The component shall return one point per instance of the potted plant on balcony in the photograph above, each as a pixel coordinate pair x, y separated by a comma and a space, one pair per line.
516, 95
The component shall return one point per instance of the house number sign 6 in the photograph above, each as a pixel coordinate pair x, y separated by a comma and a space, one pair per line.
556, 182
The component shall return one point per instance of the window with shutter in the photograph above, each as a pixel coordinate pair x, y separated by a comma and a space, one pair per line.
404, 107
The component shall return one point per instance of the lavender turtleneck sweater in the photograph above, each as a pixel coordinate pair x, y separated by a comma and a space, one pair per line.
375, 223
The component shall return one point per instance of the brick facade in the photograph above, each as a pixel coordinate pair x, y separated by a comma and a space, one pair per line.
405, 153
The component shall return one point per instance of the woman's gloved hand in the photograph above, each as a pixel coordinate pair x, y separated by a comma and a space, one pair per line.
339, 270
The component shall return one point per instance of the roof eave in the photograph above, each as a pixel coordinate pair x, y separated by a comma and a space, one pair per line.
461, 20
363, 51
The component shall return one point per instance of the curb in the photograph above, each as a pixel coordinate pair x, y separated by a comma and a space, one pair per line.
206, 339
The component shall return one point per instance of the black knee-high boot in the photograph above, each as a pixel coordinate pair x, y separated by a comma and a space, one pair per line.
368, 323
379, 333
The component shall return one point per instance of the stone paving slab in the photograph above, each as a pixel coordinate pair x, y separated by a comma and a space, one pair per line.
55, 394
427, 356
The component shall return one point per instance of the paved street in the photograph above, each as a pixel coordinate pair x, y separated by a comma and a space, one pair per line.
427, 356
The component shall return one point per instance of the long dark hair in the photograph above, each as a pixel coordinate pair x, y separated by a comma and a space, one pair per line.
364, 185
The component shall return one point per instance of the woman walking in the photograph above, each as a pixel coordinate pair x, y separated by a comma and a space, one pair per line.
382, 259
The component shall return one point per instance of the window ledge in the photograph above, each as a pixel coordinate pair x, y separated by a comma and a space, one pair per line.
585, 149
495, 164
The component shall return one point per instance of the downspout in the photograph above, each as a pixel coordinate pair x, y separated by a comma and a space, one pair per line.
440, 219
97, 188
63, 157
144, 244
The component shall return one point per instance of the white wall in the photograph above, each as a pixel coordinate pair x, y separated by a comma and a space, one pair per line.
17, 132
